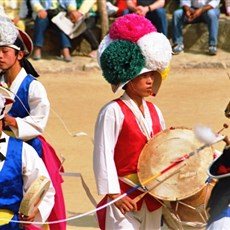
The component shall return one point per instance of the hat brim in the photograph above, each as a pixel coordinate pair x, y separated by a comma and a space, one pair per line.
9, 97
156, 85
221, 160
27, 42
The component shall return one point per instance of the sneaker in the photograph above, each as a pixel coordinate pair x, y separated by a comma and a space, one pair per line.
61, 58
178, 48
212, 50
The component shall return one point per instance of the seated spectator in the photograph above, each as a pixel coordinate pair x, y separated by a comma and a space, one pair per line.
153, 10
45, 10
196, 11
89, 9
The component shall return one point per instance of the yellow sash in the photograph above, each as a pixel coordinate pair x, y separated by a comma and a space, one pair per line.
133, 177
9, 133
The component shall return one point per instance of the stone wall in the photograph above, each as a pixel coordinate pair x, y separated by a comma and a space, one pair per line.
195, 36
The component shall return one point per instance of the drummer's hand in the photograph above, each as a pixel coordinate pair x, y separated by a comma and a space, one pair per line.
125, 204
227, 140
10, 121
29, 218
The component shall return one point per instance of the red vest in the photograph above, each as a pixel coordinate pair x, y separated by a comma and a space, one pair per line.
126, 158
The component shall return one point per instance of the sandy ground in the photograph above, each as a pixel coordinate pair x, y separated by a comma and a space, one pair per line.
186, 97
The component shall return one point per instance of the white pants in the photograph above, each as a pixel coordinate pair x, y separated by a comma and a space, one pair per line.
221, 224
140, 220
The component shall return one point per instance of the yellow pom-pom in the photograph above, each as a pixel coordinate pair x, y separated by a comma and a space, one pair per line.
165, 72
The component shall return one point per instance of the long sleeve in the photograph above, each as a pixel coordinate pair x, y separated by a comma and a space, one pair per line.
23, 9
107, 129
33, 167
34, 124
86, 6
37, 6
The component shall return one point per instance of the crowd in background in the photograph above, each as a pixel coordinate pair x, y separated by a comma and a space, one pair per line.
40, 14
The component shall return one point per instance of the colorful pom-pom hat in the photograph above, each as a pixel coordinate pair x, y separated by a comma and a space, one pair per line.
9, 34
132, 47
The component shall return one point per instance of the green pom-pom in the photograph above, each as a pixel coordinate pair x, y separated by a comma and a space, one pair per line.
121, 61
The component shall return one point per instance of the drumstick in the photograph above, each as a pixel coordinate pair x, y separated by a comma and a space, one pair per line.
186, 156
139, 197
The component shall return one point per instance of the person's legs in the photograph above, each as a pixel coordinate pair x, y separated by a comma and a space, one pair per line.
40, 26
211, 18
90, 37
65, 45
159, 20
177, 26
88, 34
178, 21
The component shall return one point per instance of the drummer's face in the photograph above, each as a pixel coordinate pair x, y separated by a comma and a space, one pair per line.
143, 84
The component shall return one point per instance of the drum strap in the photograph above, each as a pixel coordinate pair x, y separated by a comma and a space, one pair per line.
6, 216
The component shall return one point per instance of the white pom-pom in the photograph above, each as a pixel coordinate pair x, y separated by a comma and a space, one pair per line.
103, 45
205, 134
156, 49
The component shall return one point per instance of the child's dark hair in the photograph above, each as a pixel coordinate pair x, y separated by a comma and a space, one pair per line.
19, 44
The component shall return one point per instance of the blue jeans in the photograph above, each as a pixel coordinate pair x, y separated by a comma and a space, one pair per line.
210, 17
159, 20
41, 25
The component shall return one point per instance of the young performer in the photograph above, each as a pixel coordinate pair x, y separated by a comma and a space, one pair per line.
20, 165
29, 114
133, 57
219, 202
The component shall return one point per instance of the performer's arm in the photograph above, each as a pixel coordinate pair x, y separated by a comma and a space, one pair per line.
33, 167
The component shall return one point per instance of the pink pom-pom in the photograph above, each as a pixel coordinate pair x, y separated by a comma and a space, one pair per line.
131, 27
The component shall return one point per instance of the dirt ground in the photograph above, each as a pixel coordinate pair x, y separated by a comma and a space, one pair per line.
187, 97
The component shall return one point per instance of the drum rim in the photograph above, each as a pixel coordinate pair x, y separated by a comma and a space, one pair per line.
159, 196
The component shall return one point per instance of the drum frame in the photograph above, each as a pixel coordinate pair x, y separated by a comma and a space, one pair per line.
200, 209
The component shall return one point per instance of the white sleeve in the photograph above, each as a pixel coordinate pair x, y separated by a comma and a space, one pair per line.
23, 9
107, 129
34, 124
161, 118
32, 167
214, 3
185, 3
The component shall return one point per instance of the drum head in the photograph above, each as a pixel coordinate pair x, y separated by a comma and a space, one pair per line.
161, 151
